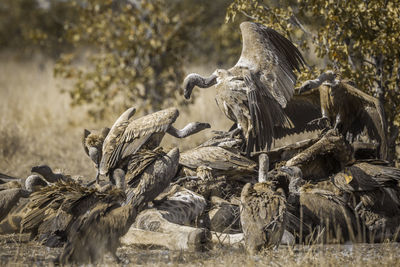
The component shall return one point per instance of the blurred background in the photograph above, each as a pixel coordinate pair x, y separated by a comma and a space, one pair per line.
67, 65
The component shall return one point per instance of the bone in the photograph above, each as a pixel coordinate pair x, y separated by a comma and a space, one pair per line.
157, 231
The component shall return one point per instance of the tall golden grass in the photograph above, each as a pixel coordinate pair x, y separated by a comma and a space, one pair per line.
38, 126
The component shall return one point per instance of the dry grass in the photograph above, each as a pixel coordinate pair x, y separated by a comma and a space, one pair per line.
37, 124
32, 254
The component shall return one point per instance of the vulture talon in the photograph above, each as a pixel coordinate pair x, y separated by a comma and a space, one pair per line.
322, 122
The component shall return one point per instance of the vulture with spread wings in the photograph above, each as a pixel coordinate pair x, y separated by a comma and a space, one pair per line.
129, 140
255, 92
357, 115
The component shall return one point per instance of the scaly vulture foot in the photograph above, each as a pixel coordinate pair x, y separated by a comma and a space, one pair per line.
322, 122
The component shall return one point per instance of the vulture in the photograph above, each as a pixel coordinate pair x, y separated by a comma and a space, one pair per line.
11, 224
255, 92
263, 211
375, 186
354, 113
29, 183
99, 229
375, 191
128, 136
13, 201
10, 197
47, 173
322, 208
314, 212
52, 210
142, 182
92, 144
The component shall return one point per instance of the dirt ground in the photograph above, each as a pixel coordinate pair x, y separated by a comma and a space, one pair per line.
13, 253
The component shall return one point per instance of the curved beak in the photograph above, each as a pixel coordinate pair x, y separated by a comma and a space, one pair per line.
187, 90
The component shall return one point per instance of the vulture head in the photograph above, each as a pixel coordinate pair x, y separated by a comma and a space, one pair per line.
43, 170
195, 79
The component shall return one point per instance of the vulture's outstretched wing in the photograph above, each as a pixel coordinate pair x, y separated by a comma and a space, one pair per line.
110, 154
271, 60
362, 115
265, 114
371, 119
272, 57
139, 130
131, 135
383, 175
301, 109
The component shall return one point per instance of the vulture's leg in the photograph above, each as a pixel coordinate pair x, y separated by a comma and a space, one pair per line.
97, 179
116, 176
338, 122
358, 207
233, 127
98, 175
243, 135
191, 128
263, 167
243, 127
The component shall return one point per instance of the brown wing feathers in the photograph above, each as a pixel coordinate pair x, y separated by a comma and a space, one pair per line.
289, 56
129, 136
271, 84
265, 113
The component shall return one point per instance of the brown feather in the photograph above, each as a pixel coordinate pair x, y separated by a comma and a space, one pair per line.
263, 215
222, 161
127, 137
